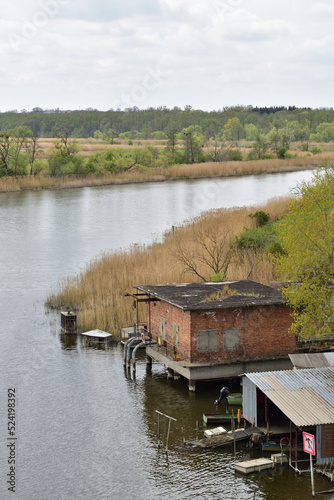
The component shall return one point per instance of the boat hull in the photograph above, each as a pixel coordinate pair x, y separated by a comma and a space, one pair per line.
217, 418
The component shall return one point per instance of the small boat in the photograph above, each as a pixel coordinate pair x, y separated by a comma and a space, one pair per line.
235, 399
274, 446
218, 418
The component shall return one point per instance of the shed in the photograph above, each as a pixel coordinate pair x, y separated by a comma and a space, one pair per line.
305, 397
207, 331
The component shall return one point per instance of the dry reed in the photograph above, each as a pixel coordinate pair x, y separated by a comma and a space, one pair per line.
97, 293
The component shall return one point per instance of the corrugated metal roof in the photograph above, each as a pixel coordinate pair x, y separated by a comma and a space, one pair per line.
313, 360
306, 396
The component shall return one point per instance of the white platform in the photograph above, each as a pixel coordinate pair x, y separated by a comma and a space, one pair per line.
97, 335
254, 465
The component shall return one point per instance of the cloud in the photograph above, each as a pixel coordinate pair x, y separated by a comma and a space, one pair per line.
210, 54
104, 12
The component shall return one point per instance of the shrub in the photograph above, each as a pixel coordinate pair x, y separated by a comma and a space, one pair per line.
261, 217
234, 155
316, 149
281, 153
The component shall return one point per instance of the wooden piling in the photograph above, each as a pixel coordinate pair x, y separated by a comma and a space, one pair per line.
169, 424
233, 430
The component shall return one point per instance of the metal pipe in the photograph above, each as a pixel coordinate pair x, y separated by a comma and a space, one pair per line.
125, 349
128, 353
135, 350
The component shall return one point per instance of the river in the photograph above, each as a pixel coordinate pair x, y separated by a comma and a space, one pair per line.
86, 428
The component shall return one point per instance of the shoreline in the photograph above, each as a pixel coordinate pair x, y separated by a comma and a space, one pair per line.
77, 183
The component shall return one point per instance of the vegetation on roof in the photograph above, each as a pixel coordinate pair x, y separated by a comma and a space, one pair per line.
227, 291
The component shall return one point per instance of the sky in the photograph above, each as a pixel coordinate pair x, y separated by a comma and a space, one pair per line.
208, 54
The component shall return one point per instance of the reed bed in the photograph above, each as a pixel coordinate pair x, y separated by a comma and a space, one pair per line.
175, 172
97, 293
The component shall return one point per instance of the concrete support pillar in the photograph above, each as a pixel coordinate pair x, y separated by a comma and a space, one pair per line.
170, 373
192, 385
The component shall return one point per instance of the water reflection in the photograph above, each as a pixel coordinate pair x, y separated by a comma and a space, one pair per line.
68, 342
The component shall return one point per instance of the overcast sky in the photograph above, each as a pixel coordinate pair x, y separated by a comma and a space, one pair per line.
208, 54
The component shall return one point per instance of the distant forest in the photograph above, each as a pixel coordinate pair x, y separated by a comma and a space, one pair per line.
145, 124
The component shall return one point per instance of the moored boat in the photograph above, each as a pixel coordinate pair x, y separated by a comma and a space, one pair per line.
217, 418
274, 446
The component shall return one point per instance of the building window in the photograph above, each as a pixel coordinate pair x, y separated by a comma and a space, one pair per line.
175, 334
208, 340
231, 338
162, 329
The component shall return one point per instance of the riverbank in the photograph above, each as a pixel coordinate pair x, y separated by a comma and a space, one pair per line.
97, 293
172, 173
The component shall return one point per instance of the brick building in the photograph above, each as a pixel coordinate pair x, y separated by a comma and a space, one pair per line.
213, 330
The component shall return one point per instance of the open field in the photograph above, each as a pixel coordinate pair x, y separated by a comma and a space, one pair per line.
97, 293
90, 146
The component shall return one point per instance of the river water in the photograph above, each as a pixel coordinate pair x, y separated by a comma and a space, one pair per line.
86, 428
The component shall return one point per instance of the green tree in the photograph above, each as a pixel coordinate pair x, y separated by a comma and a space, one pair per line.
19, 136
63, 158
4, 153
261, 147
251, 132
233, 130
13, 160
307, 266
253, 245
171, 143
192, 144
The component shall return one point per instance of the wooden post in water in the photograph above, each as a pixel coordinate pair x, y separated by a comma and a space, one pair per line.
169, 423
233, 429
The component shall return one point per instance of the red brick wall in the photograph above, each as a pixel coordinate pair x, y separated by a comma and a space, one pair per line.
263, 331
172, 315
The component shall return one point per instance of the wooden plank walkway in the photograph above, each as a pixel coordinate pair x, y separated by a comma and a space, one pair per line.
225, 439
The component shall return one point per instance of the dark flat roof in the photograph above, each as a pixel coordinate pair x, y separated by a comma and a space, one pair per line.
228, 294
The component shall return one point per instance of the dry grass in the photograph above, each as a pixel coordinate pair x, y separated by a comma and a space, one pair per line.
98, 292
199, 170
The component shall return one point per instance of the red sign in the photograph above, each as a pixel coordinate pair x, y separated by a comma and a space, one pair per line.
309, 443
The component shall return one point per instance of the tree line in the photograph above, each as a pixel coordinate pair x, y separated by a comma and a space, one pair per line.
148, 123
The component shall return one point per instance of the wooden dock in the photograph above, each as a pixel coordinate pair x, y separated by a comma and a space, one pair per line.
226, 438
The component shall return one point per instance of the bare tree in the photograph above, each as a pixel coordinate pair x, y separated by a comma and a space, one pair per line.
213, 254
218, 151
33, 150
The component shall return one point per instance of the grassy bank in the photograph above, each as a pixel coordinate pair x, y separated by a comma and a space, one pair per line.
194, 171
97, 293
